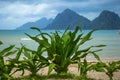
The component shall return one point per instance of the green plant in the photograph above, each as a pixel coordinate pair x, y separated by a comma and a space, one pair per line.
63, 50
66, 76
108, 68
83, 68
33, 61
6, 66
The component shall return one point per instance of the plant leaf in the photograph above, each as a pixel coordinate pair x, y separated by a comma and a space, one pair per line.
43, 59
19, 53
1, 61
7, 76
96, 56
10, 53
51, 66
35, 28
1, 42
6, 50
42, 42
84, 55
79, 65
87, 37
100, 45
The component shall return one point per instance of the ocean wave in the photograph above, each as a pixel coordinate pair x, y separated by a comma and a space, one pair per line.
25, 39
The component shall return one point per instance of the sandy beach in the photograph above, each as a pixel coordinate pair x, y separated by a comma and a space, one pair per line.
74, 70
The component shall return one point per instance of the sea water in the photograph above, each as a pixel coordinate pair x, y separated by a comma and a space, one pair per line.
110, 38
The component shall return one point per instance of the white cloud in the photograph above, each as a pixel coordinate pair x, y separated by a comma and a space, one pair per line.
16, 14
24, 9
13, 22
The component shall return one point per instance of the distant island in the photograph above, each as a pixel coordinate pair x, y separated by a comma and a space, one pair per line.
107, 20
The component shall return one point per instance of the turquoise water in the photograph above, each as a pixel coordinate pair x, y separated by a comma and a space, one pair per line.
111, 38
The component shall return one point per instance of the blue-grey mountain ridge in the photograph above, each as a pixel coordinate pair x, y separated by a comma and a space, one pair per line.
107, 20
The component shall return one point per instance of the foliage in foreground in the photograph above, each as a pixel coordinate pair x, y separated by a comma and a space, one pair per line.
33, 61
46, 77
6, 66
83, 68
108, 68
62, 50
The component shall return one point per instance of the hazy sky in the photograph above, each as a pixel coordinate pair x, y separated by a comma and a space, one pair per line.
14, 13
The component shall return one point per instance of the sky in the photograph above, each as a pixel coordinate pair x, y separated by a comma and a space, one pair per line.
14, 13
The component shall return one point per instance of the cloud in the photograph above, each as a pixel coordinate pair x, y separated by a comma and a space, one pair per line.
19, 9
14, 13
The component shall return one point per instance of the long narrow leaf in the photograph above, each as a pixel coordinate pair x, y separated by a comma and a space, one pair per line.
19, 54
51, 66
1, 42
66, 37
10, 53
84, 55
42, 42
65, 31
35, 28
1, 61
96, 50
96, 56
79, 28
29, 50
7, 76
27, 54
87, 37
6, 50
100, 45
